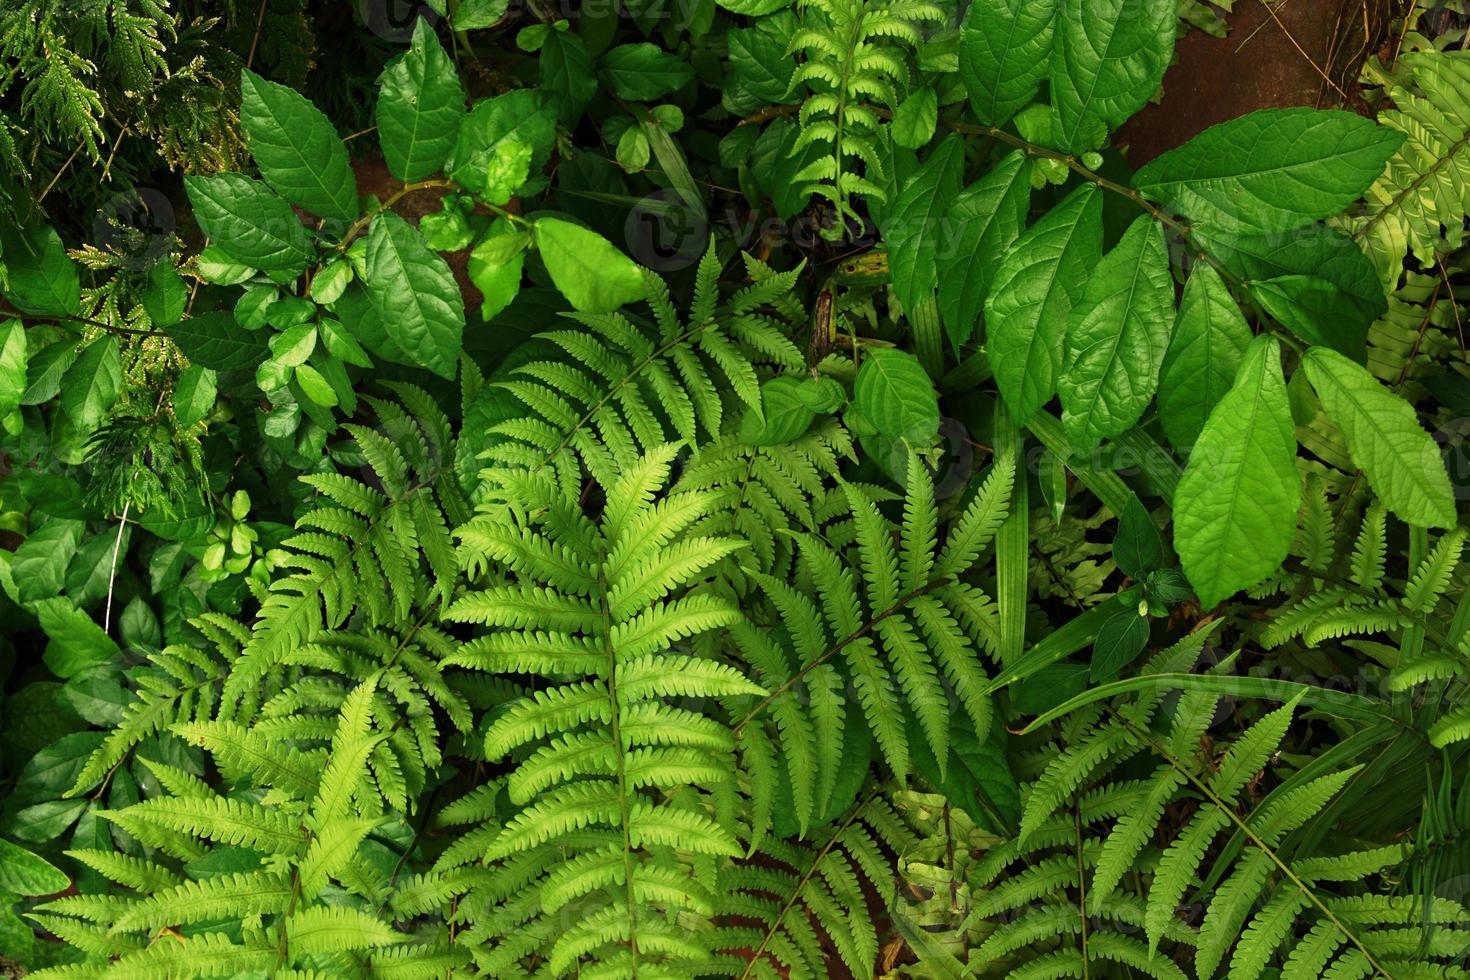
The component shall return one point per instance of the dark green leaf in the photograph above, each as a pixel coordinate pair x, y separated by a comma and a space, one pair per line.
420, 107
246, 219
980, 226
1109, 60
1036, 285
895, 397
1119, 642
39, 276
216, 341
1210, 336
1005, 52
92, 383
643, 72
296, 148
912, 226
1138, 548
415, 295
1271, 170
77, 643
1116, 338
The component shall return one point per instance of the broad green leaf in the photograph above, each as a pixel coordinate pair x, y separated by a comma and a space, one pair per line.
1119, 642
588, 269
758, 57
24, 873
915, 118
165, 296
1341, 307
1313, 309
45, 822
1116, 338
472, 15
1138, 549
414, 294
315, 386
12, 365
39, 564
1235, 509
216, 341
92, 383
250, 222
516, 115
912, 226
1271, 170
894, 395
1385, 440
1036, 285
39, 276
420, 107
786, 414
565, 67
1005, 52
219, 267
982, 223
1210, 336
753, 8
194, 394
1108, 61
643, 72
76, 642
328, 284
495, 274
45, 370
296, 148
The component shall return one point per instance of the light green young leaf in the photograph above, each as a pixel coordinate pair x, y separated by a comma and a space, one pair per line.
1385, 440
912, 227
495, 274
1235, 509
1116, 338
1271, 170
894, 394
296, 148
1005, 52
249, 222
414, 295
1210, 336
1109, 59
982, 223
92, 383
420, 107
1038, 282
588, 269
517, 115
